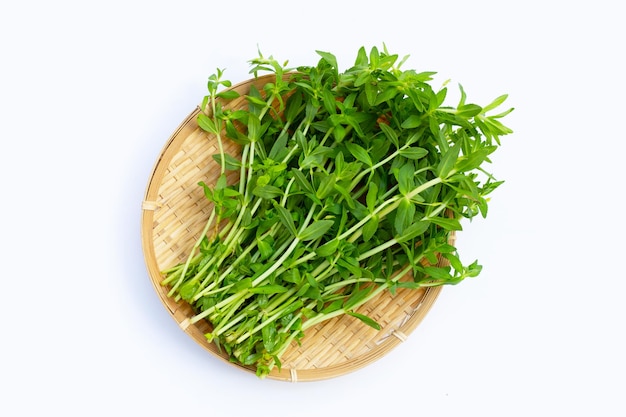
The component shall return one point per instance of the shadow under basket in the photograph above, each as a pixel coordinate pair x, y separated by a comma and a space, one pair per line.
174, 213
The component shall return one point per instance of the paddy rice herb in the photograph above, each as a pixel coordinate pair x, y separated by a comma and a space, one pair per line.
350, 183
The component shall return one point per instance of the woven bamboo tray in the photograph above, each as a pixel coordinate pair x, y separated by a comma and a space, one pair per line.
174, 212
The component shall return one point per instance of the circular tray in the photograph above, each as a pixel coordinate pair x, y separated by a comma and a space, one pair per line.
174, 212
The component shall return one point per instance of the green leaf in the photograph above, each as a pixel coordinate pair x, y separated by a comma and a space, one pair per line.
446, 223
278, 146
262, 180
242, 284
246, 219
327, 186
413, 231
293, 107
221, 182
370, 228
277, 362
265, 248
255, 101
348, 198
235, 135
339, 133
333, 306
372, 196
501, 115
438, 272
310, 110
350, 265
228, 95
408, 284
285, 218
404, 216
329, 101
291, 308
315, 230
357, 297
474, 269
361, 58
374, 58
208, 193
414, 152
268, 289
302, 181
230, 161
386, 95
268, 333
328, 249
370, 91
267, 191
316, 158
435, 129
495, 103
448, 160
254, 128
416, 99
406, 181
349, 171
438, 99
468, 110
329, 58
354, 122
463, 96
387, 61
365, 319
454, 260
390, 133
359, 153
474, 160
412, 122
495, 126
313, 293
206, 123
188, 290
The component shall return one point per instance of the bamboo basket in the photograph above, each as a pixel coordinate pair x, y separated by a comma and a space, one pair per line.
174, 212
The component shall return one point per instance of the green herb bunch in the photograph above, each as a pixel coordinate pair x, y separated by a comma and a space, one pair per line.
350, 183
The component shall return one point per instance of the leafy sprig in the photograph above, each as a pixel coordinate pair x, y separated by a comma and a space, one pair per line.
350, 184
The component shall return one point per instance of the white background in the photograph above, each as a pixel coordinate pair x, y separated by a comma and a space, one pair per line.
91, 91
